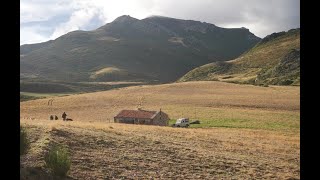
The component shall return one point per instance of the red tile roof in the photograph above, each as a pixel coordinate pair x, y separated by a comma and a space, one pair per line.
143, 114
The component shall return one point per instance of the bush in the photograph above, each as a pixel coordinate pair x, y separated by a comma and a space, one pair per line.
285, 82
24, 143
195, 122
58, 160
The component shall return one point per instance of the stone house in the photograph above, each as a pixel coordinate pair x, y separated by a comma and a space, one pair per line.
142, 117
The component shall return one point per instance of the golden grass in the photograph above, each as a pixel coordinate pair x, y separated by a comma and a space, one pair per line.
206, 101
267, 54
102, 150
105, 71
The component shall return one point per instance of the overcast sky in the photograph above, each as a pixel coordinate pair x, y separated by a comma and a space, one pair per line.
42, 20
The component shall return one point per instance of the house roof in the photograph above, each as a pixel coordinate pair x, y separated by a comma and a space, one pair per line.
143, 114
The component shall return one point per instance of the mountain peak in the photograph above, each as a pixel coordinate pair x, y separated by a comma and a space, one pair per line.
124, 18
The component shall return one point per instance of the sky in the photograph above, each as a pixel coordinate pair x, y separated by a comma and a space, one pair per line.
43, 20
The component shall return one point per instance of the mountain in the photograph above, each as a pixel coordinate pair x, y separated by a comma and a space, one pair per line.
156, 48
275, 60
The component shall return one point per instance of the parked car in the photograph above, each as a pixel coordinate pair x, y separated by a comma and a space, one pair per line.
182, 122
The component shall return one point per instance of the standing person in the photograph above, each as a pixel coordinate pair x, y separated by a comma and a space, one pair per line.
64, 116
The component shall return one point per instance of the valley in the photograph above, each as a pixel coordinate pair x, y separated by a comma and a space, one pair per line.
244, 90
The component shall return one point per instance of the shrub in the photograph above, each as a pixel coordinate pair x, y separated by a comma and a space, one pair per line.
286, 82
24, 143
58, 160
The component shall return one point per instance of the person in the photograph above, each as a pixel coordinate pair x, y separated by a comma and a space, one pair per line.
51, 117
64, 116
55, 117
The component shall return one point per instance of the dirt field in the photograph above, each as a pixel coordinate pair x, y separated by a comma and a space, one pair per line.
119, 151
254, 133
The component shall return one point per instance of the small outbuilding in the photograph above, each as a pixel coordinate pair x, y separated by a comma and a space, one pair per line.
140, 116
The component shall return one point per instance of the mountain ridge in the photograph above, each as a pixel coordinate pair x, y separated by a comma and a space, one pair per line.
158, 49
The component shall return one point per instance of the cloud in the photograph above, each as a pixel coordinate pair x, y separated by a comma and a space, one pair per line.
262, 17
29, 35
78, 20
41, 10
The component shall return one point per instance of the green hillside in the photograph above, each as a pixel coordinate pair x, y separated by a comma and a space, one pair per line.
154, 49
275, 60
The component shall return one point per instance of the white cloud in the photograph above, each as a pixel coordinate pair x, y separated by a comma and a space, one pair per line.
77, 21
261, 17
42, 9
29, 36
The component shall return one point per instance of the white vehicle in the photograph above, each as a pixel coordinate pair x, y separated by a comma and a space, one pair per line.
182, 122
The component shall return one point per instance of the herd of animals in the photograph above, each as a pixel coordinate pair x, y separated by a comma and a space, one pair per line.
64, 117
55, 117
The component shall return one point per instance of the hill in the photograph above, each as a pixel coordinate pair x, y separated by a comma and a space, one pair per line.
275, 60
154, 49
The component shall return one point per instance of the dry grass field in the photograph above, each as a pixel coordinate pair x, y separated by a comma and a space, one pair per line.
261, 140
213, 103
